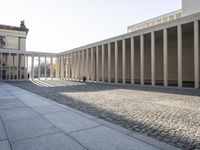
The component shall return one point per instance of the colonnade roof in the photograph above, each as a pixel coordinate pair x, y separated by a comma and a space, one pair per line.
30, 53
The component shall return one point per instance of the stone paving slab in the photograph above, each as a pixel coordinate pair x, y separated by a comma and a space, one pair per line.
12, 105
4, 145
2, 132
29, 128
104, 138
69, 121
4, 97
48, 109
17, 114
32, 101
58, 141
8, 100
45, 125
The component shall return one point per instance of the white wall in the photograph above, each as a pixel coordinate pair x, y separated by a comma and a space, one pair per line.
190, 7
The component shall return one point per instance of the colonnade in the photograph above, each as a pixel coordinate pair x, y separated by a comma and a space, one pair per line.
16, 66
85, 63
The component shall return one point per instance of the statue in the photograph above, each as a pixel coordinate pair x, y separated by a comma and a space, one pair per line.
22, 25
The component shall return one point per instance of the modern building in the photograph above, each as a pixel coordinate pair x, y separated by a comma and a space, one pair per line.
161, 51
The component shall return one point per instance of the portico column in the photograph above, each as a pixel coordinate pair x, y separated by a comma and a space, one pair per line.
165, 57
9, 62
20, 70
39, 67
196, 53
142, 59
179, 56
97, 63
109, 61
92, 63
45, 67
32, 68
24, 66
79, 66
1, 66
83, 64
51, 69
153, 58
17, 65
116, 62
75, 66
66, 66
61, 67
132, 60
57, 62
103, 56
87, 64
13, 70
124, 61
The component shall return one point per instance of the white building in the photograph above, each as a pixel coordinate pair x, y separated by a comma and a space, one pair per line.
160, 51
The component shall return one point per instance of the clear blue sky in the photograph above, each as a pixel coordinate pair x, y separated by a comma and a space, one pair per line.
59, 25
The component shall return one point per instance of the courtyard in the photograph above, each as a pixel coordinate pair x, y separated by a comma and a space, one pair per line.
170, 115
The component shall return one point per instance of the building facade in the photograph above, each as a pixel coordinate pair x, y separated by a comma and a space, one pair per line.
161, 51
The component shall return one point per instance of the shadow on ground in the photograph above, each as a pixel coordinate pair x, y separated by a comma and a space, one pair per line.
54, 93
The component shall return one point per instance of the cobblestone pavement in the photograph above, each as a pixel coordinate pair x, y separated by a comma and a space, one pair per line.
171, 115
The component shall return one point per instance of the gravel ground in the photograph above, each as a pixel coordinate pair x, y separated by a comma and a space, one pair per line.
170, 115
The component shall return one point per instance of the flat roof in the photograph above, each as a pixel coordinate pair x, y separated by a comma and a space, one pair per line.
13, 28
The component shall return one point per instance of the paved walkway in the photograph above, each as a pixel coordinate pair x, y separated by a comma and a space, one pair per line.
31, 122
170, 115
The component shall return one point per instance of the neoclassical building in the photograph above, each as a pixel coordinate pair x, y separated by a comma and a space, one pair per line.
161, 51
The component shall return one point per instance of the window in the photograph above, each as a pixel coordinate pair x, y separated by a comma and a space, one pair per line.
2, 41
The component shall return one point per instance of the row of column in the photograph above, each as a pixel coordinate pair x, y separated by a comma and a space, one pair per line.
8, 62
76, 61
39, 67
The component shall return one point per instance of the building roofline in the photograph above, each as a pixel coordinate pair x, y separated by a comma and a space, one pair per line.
14, 28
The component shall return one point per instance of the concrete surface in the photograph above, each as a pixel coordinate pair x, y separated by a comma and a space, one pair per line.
25, 125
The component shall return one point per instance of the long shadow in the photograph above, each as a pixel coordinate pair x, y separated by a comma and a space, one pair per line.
54, 93
91, 87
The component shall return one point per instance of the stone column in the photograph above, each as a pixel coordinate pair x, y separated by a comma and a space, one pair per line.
1, 66
20, 70
70, 66
57, 63
51, 69
153, 58
39, 67
45, 67
179, 56
92, 63
24, 66
87, 64
13, 70
116, 62
97, 63
9, 62
32, 68
17, 65
83, 63
61, 67
142, 59
109, 61
66, 66
196, 53
103, 57
75, 66
79, 66
165, 57
124, 61
132, 60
